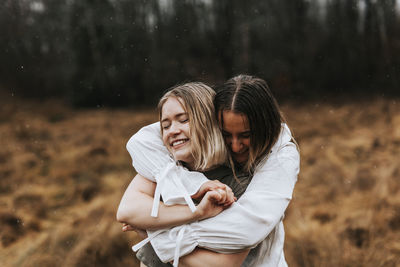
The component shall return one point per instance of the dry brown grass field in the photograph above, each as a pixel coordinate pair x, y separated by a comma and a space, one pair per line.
63, 172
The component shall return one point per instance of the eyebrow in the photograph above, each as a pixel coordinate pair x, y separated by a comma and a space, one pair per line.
244, 132
176, 116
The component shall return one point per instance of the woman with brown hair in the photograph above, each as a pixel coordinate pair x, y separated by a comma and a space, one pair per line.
261, 144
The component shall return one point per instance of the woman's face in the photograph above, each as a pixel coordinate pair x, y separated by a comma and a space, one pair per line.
175, 133
236, 132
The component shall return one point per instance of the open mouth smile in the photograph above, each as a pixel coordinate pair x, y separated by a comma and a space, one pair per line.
179, 142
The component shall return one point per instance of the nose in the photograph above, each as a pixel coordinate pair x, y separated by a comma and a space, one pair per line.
174, 129
236, 145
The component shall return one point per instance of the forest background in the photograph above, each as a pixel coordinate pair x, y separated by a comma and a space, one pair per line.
78, 78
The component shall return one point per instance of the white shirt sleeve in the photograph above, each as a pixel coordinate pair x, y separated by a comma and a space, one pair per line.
250, 220
152, 160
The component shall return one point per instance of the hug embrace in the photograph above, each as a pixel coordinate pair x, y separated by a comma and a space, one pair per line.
215, 176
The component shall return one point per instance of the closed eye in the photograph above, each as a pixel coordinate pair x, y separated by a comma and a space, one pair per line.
245, 135
183, 118
165, 126
225, 134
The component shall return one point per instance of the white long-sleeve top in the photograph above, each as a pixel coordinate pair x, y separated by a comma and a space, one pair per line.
152, 160
254, 221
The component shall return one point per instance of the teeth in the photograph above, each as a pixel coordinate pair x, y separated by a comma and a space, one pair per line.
178, 142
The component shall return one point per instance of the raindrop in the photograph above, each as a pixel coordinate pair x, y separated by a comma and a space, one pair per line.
22, 67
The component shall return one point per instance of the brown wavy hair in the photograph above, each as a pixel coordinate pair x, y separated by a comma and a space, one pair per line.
252, 97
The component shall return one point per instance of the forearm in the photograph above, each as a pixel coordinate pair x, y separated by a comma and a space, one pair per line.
137, 214
136, 204
203, 257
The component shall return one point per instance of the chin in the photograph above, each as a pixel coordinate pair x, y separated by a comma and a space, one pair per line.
242, 159
181, 156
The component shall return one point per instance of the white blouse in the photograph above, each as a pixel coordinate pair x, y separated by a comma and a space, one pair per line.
152, 160
254, 221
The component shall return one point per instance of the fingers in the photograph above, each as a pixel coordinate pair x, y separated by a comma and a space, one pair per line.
208, 186
230, 197
127, 227
213, 195
225, 197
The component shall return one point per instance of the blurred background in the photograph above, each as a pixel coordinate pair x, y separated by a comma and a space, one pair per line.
78, 78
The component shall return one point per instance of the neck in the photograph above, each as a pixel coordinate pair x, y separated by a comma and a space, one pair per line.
188, 165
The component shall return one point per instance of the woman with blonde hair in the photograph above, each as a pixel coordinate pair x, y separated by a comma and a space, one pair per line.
261, 144
190, 133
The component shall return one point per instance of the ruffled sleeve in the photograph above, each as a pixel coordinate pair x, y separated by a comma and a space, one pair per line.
251, 219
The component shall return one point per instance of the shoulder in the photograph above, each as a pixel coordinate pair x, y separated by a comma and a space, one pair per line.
147, 135
284, 153
149, 132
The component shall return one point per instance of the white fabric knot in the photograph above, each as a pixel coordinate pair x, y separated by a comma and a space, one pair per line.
169, 177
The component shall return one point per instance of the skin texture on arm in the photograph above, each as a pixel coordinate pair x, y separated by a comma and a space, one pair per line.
136, 203
203, 257
135, 208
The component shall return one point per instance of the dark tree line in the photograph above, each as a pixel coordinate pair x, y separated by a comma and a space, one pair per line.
116, 52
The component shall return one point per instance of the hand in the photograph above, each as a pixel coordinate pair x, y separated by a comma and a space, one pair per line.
227, 196
141, 233
209, 205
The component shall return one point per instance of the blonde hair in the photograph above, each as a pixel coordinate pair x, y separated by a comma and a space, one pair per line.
207, 144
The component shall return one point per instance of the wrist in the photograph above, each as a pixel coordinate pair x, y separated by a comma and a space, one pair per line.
198, 214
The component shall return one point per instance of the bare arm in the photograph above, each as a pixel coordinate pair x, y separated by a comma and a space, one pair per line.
135, 208
203, 257
136, 203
